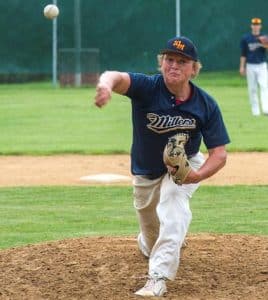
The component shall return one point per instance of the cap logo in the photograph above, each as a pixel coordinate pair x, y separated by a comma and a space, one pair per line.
179, 45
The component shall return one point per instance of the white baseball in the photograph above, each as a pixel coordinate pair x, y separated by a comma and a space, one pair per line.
51, 11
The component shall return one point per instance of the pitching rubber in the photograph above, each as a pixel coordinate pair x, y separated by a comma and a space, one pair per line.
106, 178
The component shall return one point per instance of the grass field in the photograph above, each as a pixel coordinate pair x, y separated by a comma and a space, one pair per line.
39, 119
31, 215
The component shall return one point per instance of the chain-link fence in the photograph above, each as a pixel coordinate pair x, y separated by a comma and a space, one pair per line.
78, 67
128, 35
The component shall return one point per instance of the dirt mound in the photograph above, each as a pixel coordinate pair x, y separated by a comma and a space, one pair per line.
212, 267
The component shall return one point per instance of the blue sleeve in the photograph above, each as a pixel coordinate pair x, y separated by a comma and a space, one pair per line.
243, 47
214, 132
140, 85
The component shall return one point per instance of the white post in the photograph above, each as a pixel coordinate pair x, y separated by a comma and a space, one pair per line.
178, 18
54, 49
77, 40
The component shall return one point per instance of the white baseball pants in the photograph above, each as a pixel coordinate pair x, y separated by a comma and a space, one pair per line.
257, 79
164, 216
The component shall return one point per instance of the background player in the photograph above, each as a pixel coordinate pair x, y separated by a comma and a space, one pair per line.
162, 105
253, 65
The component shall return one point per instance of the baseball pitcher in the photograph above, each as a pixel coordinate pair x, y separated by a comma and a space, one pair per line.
170, 117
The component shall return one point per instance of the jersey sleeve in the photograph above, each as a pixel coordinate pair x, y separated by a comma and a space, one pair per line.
214, 132
243, 47
140, 85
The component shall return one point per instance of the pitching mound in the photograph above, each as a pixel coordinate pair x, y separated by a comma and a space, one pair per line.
212, 267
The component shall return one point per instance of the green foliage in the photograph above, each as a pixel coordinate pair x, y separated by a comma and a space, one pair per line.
39, 119
32, 215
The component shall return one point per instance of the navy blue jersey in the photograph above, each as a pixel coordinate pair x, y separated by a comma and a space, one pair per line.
156, 117
252, 49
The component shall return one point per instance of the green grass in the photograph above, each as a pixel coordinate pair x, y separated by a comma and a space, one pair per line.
39, 119
33, 215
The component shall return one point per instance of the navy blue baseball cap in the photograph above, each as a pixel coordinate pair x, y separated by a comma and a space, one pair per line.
183, 46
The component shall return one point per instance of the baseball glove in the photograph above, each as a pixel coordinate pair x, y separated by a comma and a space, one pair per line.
263, 40
174, 156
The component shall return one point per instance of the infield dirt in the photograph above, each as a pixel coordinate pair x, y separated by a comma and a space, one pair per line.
241, 168
212, 266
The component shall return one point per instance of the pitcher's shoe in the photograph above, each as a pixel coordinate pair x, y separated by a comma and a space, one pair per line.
155, 286
142, 247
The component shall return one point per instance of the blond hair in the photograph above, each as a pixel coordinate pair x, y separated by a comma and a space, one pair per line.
196, 65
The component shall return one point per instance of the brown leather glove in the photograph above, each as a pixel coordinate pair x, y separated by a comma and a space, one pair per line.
174, 156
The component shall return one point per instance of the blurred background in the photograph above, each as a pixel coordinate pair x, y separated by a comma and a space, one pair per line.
118, 34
